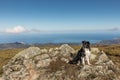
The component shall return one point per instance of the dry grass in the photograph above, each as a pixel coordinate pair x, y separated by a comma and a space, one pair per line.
70, 70
111, 50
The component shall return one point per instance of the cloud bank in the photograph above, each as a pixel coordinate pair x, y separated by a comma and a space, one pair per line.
17, 29
20, 29
114, 29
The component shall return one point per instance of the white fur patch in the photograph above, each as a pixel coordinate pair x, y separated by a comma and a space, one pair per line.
87, 57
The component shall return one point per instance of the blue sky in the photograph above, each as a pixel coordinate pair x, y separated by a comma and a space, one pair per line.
18, 16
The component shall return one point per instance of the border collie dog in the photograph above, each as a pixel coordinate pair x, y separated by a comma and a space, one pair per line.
83, 54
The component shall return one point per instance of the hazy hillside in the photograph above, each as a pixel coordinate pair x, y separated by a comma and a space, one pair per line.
24, 45
13, 45
109, 42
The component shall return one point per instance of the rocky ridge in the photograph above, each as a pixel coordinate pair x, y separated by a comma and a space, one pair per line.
42, 64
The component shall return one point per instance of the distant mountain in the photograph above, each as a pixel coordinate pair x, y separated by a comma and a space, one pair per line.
14, 45
109, 42
24, 45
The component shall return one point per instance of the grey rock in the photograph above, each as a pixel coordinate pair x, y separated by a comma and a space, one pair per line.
93, 56
102, 58
66, 50
54, 52
42, 57
95, 50
22, 67
29, 52
42, 60
63, 51
44, 51
43, 63
23, 71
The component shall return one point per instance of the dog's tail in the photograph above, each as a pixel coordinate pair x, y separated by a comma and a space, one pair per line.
75, 60
72, 62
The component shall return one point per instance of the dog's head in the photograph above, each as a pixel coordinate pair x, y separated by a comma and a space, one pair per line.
86, 44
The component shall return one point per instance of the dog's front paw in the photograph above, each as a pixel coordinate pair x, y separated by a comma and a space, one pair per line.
89, 64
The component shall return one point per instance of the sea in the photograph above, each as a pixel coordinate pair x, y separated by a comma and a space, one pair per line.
57, 38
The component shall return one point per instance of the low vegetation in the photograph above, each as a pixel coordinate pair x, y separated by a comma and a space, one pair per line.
111, 50
70, 70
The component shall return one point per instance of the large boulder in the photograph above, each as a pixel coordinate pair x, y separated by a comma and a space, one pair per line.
93, 56
103, 69
20, 69
25, 64
28, 53
42, 60
63, 52
95, 50
102, 58
99, 72
54, 52
66, 50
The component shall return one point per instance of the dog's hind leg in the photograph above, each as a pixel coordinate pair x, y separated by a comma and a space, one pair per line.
83, 61
80, 60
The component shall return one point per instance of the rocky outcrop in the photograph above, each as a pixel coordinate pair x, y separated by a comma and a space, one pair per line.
22, 67
102, 58
42, 64
28, 53
94, 51
66, 50
63, 52
104, 69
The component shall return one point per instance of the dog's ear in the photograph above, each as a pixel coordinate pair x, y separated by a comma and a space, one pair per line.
83, 42
88, 42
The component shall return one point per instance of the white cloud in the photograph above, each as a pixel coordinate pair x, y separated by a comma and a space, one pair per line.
17, 29
114, 29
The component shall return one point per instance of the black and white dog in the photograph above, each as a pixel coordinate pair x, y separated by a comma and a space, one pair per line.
83, 54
